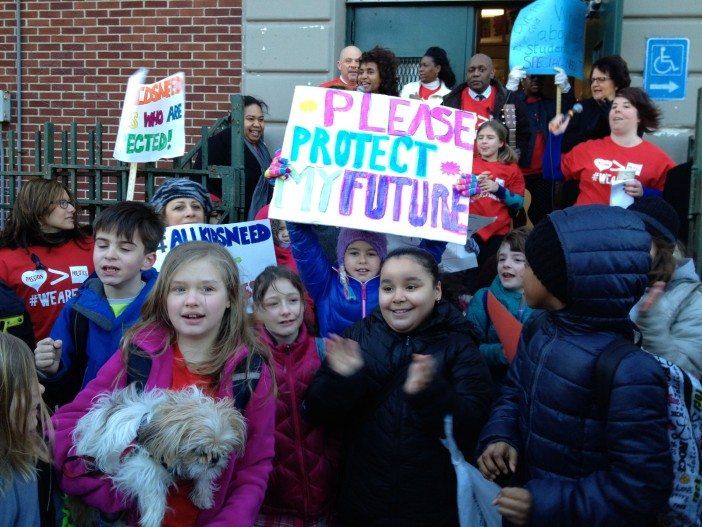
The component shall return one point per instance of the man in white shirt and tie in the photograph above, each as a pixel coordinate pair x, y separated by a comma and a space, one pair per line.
485, 96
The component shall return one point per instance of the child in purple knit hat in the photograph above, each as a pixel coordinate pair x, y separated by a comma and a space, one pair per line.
348, 291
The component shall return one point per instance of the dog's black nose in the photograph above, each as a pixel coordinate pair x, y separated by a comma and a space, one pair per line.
214, 459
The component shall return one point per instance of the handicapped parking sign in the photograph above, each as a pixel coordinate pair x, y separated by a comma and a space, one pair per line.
665, 72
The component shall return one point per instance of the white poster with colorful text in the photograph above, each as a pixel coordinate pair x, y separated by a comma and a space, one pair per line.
152, 125
376, 163
250, 243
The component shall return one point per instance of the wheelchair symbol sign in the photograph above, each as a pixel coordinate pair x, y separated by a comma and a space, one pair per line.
665, 72
664, 63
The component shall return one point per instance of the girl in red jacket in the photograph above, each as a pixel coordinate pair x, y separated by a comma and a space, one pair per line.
500, 185
300, 489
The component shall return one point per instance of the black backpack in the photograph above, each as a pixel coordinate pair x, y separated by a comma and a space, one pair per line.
65, 390
243, 382
14, 317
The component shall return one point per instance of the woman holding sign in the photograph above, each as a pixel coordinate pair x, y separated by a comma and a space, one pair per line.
608, 75
622, 156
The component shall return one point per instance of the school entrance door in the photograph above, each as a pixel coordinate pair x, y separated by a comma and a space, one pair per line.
462, 29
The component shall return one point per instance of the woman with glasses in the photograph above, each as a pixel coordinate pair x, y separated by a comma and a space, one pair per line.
44, 255
607, 76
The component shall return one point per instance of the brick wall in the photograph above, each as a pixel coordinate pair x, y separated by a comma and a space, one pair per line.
77, 56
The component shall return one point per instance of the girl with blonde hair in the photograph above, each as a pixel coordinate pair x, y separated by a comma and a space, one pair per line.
25, 428
194, 331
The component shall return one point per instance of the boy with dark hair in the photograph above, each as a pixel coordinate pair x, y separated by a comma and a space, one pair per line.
91, 324
508, 289
575, 459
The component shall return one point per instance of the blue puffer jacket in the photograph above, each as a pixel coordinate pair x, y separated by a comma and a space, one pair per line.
104, 329
580, 469
337, 306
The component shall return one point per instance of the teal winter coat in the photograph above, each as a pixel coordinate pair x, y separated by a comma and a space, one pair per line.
490, 345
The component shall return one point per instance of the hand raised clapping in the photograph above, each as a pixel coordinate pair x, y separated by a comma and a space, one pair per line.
420, 374
343, 355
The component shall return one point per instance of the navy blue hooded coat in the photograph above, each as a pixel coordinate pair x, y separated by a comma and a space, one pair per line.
581, 468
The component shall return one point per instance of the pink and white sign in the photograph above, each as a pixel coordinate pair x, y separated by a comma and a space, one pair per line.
377, 163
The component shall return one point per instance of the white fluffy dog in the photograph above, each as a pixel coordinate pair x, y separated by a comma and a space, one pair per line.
146, 441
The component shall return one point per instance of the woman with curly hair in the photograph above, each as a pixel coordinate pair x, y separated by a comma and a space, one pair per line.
378, 72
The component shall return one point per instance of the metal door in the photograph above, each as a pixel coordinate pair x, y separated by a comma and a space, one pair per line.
409, 29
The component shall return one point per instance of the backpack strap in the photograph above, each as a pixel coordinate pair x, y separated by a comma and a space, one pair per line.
14, 317
605, 369
79, 331
244, 381
138, 367
321, 348
488, 318
536, 320
65, 390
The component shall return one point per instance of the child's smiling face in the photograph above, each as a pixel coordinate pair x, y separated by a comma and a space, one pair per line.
510, 268
361, 261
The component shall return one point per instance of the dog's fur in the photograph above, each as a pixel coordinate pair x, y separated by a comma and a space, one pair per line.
172, 435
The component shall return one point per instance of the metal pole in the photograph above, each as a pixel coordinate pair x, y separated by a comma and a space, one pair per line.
18, 65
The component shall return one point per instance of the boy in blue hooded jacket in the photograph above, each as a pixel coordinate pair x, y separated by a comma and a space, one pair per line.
572, 462
126, 238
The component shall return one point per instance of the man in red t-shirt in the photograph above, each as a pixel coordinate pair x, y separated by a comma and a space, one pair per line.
349, 60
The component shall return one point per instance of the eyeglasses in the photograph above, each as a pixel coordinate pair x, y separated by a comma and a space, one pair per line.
63, 203
599, 80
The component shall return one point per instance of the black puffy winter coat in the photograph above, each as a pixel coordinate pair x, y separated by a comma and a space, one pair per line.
397, 473
583, 464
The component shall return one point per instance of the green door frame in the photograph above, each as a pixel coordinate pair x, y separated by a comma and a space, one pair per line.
695, 237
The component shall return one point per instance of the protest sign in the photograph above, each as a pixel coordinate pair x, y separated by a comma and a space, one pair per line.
375, 162
152, 125
549, 33
250, 243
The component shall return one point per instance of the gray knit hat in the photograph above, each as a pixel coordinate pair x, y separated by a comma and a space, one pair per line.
174, 188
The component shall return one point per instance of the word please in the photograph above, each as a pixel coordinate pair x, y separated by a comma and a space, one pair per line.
401, 117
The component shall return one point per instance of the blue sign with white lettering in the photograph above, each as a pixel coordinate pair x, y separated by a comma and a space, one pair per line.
549, 33
665, 72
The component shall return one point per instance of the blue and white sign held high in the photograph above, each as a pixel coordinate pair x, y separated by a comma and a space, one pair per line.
665, 72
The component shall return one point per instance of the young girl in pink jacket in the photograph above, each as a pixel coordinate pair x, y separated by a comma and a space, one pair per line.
194, 332
300, 489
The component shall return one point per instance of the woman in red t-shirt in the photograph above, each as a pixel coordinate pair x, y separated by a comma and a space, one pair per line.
500, 185
45, 255
600, 163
